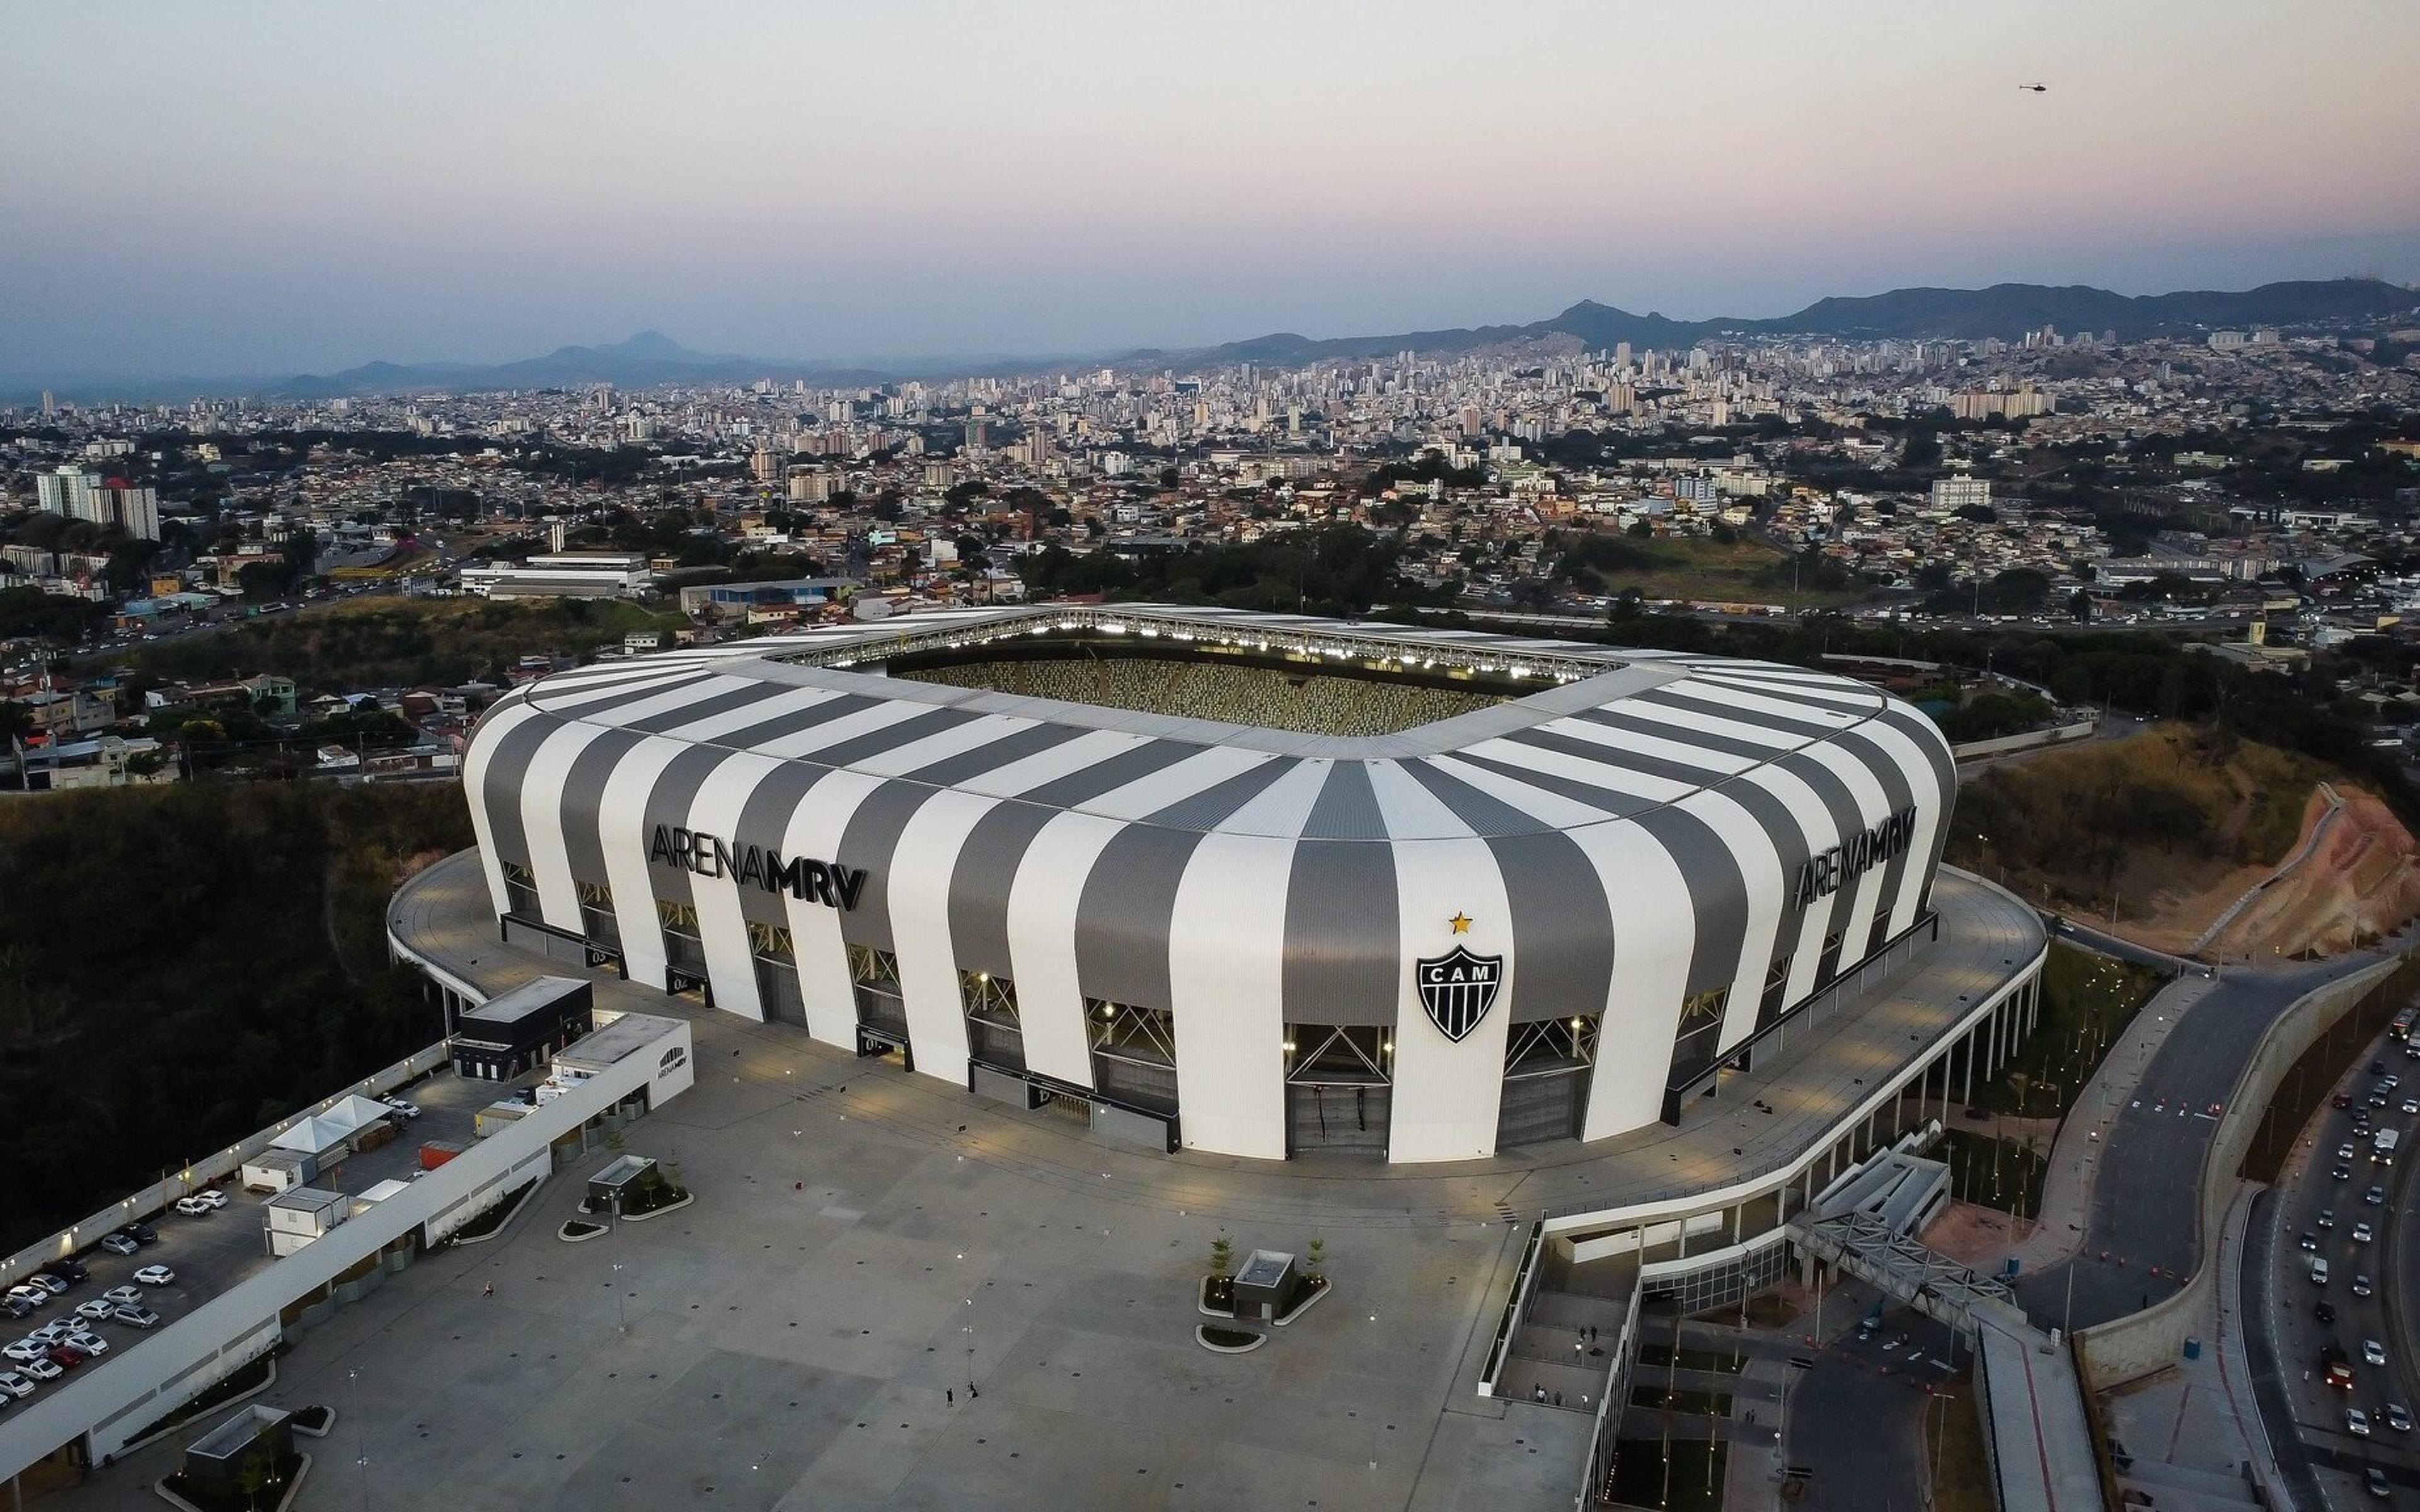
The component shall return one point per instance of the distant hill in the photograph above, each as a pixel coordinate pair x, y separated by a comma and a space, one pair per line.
2004, 310
645, 361
2007, 311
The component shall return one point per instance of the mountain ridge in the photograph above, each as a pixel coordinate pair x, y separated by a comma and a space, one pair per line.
649, 358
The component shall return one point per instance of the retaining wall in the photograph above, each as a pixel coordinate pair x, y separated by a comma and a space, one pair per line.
2127, 1349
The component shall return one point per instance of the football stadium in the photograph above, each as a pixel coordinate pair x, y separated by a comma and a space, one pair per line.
1252, 884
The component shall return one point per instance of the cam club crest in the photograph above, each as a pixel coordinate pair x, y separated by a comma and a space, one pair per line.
1458, 988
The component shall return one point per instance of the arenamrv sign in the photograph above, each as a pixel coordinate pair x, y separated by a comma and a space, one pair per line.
710, 855
1822, 875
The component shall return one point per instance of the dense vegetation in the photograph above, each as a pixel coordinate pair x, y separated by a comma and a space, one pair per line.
388, 642
1341, 569
182, 966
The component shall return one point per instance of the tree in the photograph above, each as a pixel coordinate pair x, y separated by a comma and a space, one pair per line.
1315, 1260
256, 1475
1222, 1258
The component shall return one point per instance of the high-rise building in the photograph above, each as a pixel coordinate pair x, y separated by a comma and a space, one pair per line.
67, 491
1959, 491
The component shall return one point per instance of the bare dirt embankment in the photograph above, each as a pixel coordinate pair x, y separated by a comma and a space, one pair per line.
2195, 844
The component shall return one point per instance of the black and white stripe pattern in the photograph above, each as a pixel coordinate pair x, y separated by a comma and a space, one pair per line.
1627, 840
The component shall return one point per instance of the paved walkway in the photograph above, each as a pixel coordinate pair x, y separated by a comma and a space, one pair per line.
2075, 1155
2194, 1428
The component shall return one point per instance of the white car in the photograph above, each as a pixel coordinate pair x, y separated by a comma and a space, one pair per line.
213, 1195
403, 1108
123, 1296
87, 1341
2361, 1234
25, 1291
194, 1208
119, 1243
97, 1309
16, 1383
2357, 1422
25, 1350
156, 1275
41, 1369
2372, 1353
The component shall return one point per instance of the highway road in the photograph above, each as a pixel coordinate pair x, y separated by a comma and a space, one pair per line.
2362, 1224
2140, 1241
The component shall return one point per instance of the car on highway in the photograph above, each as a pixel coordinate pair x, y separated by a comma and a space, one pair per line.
2378, 1100
119, 1243
2320, 1270
2361, 1286
2344, 1152
2374, 1197
2361, 1234
2342, 1172
2325, 1312
2411, 1104
2397, 1417
2372, 1353
2357, 1422
2310, 1242
2342, 1099
2378, 1067
156, 1275
2373, 1480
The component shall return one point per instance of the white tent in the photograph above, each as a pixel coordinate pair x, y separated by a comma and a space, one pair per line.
334, 1128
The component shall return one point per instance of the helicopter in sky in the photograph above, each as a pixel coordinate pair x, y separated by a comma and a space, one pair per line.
2037, 88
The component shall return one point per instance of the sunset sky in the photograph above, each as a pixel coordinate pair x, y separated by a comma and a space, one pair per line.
265, 188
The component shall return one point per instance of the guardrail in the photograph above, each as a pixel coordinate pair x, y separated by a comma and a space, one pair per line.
201, 1173
1594, 1490
1515, 1308
1975, 750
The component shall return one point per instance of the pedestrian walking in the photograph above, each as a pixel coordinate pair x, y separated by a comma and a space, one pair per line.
488, 1290
949, 1396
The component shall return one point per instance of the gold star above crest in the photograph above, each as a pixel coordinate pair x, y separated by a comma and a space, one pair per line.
1461, 923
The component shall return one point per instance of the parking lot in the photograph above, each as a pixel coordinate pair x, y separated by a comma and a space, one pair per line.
215, 1251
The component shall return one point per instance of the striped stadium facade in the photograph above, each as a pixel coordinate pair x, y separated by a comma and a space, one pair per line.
1551, 918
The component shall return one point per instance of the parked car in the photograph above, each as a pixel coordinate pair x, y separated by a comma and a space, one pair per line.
122, 1295
50, 1281
196, 1208
87, 1341
97, 1309
144, 1233
67, 1357
213, 1195
134, 1315
124, 1243
403, 1108
30, 1294
54, 1331
16, 1383
42, 1367
74, 1269
156, 1275
16, 1306
25, 1348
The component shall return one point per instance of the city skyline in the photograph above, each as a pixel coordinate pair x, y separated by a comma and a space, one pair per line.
303, 192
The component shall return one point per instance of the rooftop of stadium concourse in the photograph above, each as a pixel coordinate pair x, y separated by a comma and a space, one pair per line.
1764, 1122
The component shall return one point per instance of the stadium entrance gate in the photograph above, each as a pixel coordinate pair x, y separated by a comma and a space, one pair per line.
1338, 1089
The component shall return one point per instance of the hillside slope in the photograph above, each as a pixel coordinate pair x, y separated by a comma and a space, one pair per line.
2194, 844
